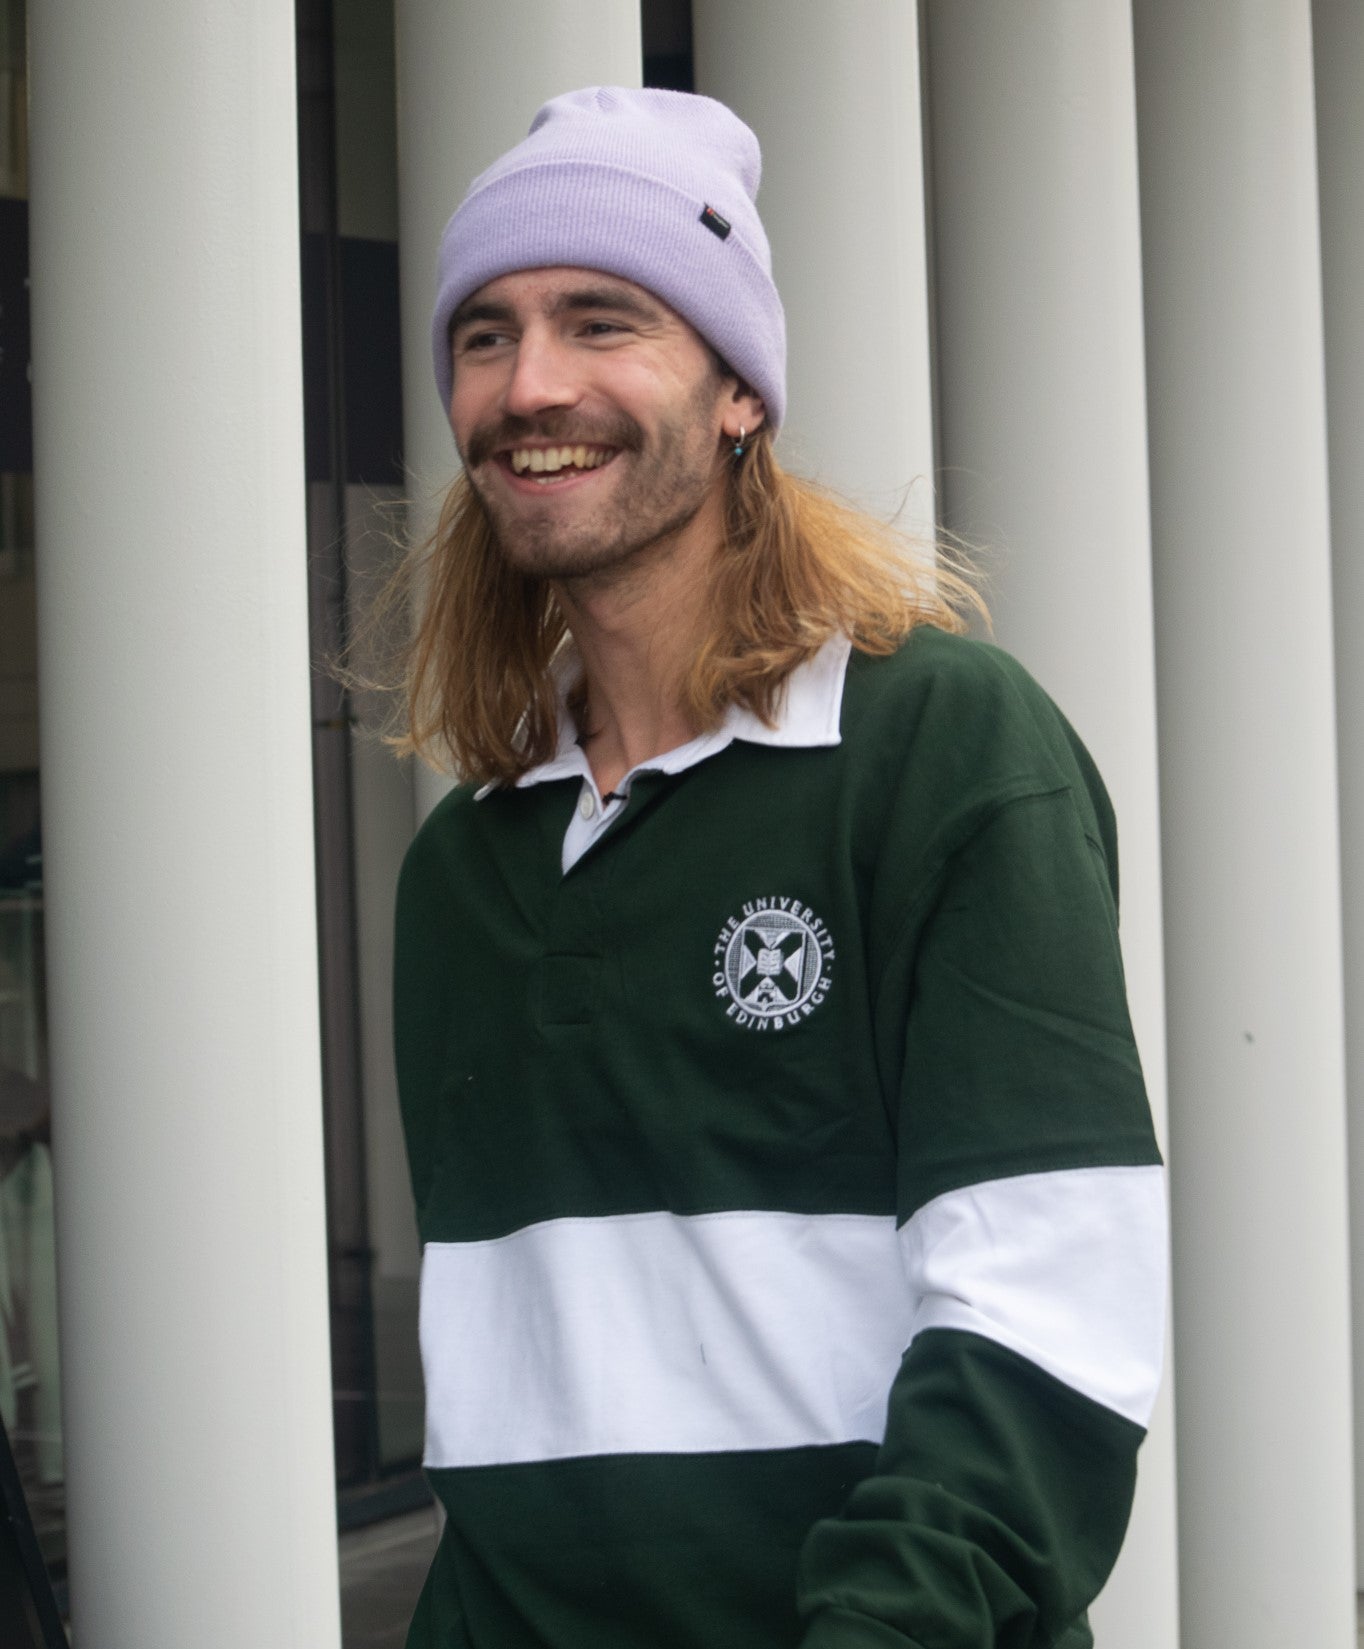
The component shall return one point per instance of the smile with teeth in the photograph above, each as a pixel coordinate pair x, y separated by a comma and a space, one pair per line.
552, 460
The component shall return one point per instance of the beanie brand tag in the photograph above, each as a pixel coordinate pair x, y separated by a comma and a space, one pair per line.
714, 222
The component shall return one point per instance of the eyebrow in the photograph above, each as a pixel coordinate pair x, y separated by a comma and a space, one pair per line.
481, 311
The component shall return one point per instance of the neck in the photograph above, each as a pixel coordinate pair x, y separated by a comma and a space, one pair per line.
636, 630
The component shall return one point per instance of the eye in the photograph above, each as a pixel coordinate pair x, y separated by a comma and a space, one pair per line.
599, 328
473, 342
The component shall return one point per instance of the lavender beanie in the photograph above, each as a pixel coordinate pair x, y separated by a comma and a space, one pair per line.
658, 187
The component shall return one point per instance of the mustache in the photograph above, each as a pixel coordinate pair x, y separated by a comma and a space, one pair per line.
566, 429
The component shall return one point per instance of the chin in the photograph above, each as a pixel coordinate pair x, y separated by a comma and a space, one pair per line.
564, 539
537, 558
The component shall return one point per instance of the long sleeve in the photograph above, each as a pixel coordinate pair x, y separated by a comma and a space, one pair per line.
1031, 1224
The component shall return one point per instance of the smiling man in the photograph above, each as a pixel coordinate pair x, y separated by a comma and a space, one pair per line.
792, 1221
585, 411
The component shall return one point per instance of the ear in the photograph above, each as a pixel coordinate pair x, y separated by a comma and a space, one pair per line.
743, 409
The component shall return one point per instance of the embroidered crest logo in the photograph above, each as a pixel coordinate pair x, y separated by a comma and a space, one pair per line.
772, 964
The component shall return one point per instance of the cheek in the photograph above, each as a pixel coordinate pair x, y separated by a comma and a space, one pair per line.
675, 404
467, 410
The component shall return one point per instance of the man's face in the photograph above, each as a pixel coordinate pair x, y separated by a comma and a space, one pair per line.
589, 416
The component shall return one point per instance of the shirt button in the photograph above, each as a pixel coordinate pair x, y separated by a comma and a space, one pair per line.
586, 805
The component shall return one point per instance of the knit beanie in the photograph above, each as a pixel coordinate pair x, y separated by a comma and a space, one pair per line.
658, 187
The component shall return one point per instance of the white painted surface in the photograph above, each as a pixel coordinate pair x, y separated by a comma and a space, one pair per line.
470, 77
178, 825
1338, 49
1042, 424
833, 94
1250, 841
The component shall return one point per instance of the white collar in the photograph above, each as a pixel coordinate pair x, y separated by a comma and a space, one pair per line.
807, 717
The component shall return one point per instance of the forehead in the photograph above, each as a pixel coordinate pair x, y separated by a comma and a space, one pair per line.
563, 287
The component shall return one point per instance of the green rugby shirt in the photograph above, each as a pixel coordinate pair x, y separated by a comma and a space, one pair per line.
792, 1220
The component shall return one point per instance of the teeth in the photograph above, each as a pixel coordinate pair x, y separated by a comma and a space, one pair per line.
550, 460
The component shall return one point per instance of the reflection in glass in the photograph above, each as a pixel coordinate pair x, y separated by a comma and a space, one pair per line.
30, 1400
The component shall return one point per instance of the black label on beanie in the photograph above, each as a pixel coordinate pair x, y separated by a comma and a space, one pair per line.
714, 222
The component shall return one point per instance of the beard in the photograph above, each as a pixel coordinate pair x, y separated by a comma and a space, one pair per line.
655, 485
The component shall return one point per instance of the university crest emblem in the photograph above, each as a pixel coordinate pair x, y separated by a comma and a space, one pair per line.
772, 964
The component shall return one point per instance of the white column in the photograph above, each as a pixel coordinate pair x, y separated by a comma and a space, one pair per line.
177, 825
1042, 423
1338, 42
470, 76
1250, 841
833, 94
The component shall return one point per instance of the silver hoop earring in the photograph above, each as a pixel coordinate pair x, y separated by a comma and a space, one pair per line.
739, 444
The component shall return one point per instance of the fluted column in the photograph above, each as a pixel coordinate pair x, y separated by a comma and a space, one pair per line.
833, 94
470, 76
1042, 422
182, 932
1338, 41
1250, 840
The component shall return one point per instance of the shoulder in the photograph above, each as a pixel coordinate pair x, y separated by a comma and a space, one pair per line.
958, 700
438, 844
962, 727
949, 674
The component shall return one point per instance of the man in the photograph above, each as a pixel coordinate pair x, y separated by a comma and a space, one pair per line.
792, 1218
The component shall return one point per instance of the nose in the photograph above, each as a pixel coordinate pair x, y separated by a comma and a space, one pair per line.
542, 375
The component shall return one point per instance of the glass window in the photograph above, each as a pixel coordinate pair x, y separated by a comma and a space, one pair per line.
30, 1398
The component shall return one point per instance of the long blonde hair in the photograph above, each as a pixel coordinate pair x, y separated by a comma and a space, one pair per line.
797, 565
